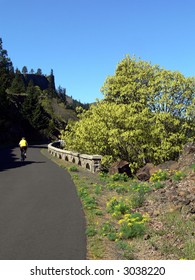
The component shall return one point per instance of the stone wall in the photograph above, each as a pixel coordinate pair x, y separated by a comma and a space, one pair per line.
90, 162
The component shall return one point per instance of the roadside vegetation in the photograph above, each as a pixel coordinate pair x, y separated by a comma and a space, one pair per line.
146, 115
118, 223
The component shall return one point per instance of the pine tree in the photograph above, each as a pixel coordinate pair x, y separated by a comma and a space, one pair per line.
33, 110
32, 71
61, 92
6, 75
51, 87
17, 85
39, 71
24, 70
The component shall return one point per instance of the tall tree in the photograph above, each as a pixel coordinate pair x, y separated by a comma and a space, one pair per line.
51, 87
6, 68
17, 85
6, 76
139, 83
131, 83
61, 92
32, 71
146, 115
39, 71
33, 110
24, 70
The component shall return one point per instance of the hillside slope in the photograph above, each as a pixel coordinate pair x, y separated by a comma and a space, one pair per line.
168, 202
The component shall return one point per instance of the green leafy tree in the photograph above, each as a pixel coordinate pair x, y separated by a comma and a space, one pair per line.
110, 129
131, 83
146, 115
139, 83
167, 135
171, 93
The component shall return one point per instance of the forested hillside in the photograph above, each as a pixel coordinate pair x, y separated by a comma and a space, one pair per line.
30, 105
147, 115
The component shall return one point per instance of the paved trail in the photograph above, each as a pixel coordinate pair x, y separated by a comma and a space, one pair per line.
40, 214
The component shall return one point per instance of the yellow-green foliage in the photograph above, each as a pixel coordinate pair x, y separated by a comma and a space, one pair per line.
118, 206
132, 225
160, 175
146, 115
178, 175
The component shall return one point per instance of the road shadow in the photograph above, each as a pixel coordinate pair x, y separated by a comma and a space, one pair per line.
38, 146
9, 159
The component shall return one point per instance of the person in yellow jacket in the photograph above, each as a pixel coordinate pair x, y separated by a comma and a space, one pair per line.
23, 145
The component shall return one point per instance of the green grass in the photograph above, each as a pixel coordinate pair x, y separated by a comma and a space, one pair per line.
193, 167
73, 168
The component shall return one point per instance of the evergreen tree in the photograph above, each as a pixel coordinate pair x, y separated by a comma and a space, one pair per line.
51, 87
32, 71
33, 110
6, 75
6, 68
24, 70
61, 92
17, 85
39, 72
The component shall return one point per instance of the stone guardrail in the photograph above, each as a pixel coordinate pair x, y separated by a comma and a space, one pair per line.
90, 162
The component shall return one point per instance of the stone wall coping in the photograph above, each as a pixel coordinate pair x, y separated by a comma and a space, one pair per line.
74, 153
90, 156
53, 148
91, 162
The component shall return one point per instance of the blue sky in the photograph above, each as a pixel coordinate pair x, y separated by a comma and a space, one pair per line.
84, 40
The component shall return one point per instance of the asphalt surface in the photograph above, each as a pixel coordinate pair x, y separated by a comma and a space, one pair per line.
41, 217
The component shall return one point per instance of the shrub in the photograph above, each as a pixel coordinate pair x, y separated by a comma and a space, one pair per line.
89, 202
119, 177
117, 186
106, 162
140, 187
160, 175
98, 189
73, 168
108, 229
178, 175
138, 199
158, 185
118, 207
83, 192
132, 225
91, 230
139, 190
103, 176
